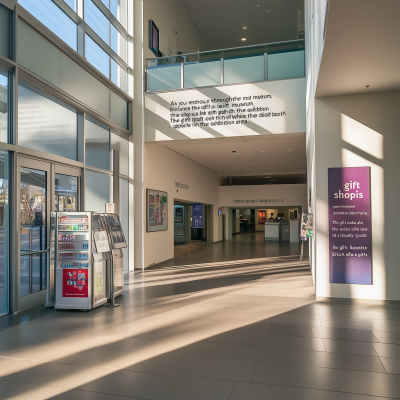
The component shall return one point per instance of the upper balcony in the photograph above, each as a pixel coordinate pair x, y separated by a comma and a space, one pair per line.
267, 62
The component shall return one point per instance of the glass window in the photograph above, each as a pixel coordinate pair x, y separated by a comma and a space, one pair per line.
118, 43
72, 4
3, 107
4, 233
97, 21
121, 144
119, 76
46, 125
97, 56
66, 192
106, 3
97, 142
97, 191
54, 18
119, 10
5, 24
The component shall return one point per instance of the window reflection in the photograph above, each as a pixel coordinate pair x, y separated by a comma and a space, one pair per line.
97, 57
3, 107
97, 21
54, 18
45, 125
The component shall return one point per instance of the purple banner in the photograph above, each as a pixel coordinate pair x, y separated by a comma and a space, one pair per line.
350, 258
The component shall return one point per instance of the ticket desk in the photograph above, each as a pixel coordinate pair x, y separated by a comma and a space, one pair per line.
282, 231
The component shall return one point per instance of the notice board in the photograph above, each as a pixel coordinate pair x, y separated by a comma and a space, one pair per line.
350, 240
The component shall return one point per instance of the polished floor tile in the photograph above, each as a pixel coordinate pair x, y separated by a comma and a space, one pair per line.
256, 391
248, 329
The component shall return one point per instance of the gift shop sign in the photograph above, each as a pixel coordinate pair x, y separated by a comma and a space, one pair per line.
350, 240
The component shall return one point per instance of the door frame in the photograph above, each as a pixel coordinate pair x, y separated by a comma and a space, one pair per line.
18, 303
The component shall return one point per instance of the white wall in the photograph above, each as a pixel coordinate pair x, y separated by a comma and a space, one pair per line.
162, 168
253, 196
171, 16
361, 130
287, 95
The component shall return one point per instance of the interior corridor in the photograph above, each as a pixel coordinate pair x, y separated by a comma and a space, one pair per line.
251, 331
243, 246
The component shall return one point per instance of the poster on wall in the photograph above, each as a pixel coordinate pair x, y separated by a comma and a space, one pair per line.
307, 223
350, 240
262, 216
197, 215
157, 210
178, 214
75, 283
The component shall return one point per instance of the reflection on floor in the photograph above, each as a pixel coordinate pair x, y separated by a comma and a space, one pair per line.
242, 247
249, 330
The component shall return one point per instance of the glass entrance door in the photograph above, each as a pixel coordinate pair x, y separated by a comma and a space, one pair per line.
44, 188
33, 231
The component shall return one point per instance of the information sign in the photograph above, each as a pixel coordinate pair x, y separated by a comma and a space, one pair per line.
197, 215
350, 253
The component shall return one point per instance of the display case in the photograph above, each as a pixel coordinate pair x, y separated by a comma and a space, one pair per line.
79, 280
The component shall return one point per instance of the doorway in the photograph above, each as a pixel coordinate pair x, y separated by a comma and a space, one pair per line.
42, 188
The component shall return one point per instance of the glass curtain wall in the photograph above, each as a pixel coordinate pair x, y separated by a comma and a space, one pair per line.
3, 107
97, 144
4, 233
45, 125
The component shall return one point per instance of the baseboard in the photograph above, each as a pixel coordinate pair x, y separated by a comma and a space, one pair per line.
357, 301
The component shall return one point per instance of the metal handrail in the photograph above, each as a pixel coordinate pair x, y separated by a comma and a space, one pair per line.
229, 49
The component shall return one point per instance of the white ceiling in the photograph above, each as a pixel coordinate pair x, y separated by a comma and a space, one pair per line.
255, 156
221, 22
361, 48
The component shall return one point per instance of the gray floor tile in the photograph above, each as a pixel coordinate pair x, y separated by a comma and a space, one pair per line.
379, 315
349, 347
357, 382
334, 312
201, 389
360, 335
17, 390
388, 337
200, 367
257, 391
387, 350
290, 356
356, 325
392, 365
289, 330
132, 384
288, 342
295, 320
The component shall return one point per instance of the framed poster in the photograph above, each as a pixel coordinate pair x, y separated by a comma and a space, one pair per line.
156, 210
307, 226
350, 236
262, 216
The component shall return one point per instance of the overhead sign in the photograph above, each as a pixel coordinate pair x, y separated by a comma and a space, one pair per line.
350, 258
197, 215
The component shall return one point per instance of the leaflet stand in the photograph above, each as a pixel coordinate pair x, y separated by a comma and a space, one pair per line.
117, 242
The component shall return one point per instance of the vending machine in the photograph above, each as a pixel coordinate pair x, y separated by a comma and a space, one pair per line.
80, 273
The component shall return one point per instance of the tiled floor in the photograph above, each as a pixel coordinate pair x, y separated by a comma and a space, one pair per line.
237, 331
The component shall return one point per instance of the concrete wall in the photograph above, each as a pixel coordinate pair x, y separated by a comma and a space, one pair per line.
162, 168
171, 16
360, 130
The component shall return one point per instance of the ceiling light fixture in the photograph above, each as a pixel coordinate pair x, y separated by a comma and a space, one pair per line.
245, 27
243, 39
290, 150
234, 151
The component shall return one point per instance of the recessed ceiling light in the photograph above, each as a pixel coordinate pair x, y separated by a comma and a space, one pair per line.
243, 39
269, 11
290, 150
234, 151
261, 151
245, 27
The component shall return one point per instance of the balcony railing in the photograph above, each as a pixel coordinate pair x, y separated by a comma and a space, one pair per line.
267, 62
